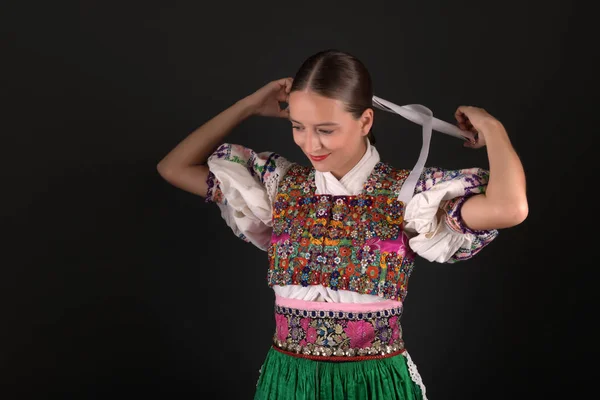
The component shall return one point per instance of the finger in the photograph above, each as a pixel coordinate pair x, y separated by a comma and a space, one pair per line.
284, 113
469, 137
285, 83
288, 84
284, 86
472, 143
462, 113
459, 114
282, 95
464, 125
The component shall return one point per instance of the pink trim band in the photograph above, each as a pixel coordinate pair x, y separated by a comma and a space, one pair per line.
326, 306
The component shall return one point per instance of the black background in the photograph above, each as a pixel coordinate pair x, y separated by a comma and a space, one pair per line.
117, 285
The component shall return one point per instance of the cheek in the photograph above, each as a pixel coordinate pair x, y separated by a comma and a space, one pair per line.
297, 139
335, 142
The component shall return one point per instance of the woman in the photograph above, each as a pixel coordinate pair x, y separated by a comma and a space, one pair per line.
342, 234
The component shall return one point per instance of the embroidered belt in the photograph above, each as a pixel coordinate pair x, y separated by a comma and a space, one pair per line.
338, 334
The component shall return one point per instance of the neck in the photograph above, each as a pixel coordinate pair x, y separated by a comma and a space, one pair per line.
344, 169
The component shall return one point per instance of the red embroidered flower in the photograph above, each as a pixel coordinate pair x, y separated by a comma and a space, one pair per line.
350, 269
304, 322
282, 327
301, 261
372, 272
361, 333
395, 328
311, 335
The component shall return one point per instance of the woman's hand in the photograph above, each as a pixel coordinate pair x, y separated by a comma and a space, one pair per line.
476, 120
504, 202
266, 100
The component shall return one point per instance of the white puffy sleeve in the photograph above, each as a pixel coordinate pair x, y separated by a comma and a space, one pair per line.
243, 184
433, 220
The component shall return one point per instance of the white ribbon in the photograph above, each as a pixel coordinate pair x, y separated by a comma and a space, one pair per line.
423, 116
419, 114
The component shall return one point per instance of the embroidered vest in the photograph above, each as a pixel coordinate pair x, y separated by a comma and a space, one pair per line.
354, 243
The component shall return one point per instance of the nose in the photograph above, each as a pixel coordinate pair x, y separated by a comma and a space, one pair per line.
313, 142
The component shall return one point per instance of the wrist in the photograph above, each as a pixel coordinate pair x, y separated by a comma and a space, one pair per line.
492, 127
247, 107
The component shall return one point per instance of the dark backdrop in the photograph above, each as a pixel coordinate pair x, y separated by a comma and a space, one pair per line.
117, 285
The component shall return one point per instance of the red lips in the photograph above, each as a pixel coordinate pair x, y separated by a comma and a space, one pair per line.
318, 158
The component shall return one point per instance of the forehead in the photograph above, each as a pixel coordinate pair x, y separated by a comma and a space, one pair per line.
309, 107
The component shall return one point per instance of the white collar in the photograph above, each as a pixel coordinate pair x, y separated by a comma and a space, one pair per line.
353, 181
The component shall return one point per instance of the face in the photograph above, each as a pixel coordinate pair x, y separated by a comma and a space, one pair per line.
332, 139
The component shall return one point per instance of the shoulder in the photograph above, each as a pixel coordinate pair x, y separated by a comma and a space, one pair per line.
249, 170
259, 164
237, 153
472, 179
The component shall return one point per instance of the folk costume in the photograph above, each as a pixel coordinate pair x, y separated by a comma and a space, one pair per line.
340, 254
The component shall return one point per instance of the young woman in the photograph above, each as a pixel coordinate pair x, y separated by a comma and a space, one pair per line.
342, 233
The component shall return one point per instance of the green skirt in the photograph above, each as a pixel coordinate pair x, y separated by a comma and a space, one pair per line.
285, 377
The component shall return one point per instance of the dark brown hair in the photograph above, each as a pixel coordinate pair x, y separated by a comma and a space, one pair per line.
337, 75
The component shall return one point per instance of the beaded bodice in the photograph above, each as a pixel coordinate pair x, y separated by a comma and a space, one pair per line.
354, 243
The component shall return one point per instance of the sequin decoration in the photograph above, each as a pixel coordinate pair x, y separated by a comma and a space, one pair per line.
338, 333
343, 242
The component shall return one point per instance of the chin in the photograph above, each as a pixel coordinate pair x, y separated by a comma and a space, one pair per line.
319, 166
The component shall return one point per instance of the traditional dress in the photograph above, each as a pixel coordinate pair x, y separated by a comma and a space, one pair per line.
340, 255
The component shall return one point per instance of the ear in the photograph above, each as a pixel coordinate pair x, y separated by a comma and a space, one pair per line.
366, 121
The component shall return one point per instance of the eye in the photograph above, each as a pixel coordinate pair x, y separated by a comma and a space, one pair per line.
296, 127
325, 132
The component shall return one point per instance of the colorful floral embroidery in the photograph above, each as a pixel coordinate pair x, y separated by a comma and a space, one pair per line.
453, 220
328, 234
264, 167
213, 192
475, 179
338, 333
343, 242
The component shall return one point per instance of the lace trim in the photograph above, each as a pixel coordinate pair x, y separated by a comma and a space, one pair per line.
211, 184
414, 374
272, 177
259, 375
453, 208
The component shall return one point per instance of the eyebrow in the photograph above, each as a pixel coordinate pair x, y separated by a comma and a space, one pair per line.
321, 124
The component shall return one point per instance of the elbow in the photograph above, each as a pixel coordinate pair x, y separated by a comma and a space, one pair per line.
518, 213
166, 171
162, 168
523, 211
507, 214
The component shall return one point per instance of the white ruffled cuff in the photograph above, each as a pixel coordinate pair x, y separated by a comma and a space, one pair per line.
433, 238
245, 204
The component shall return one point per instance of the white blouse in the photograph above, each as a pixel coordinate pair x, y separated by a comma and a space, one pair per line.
244, 185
